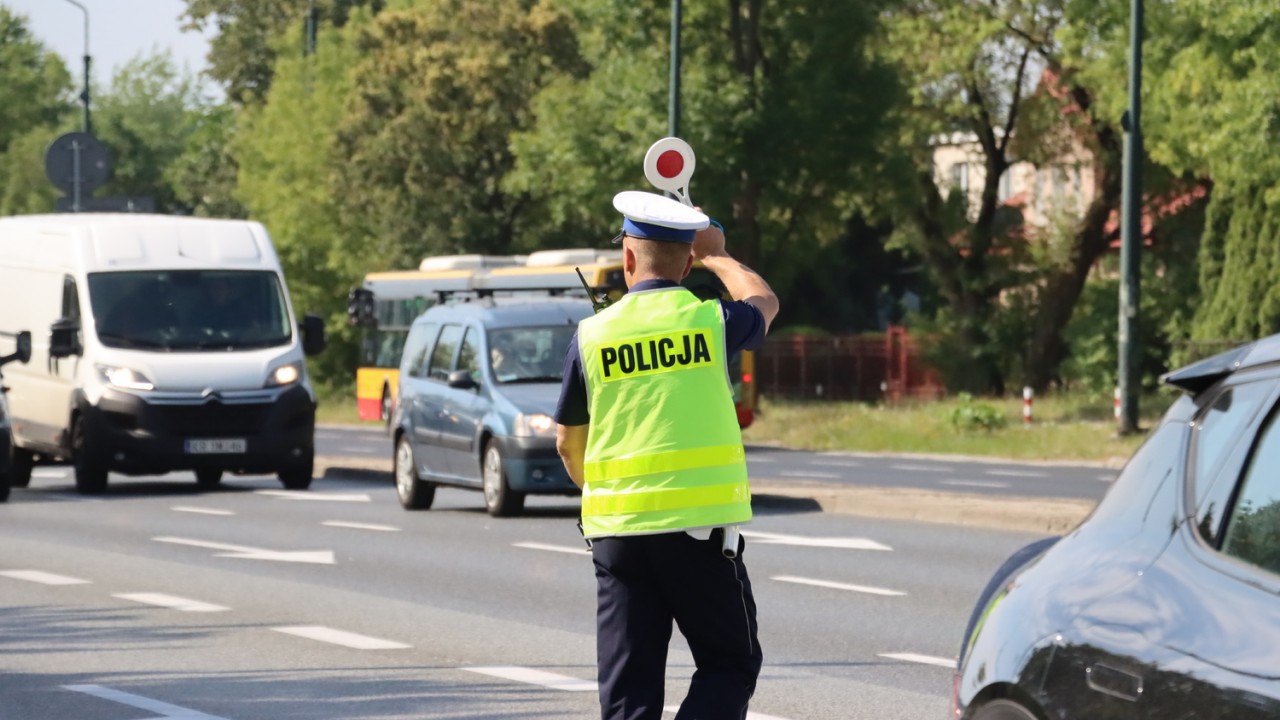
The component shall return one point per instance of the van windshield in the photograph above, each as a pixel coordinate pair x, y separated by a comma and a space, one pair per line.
529, 354
189, 310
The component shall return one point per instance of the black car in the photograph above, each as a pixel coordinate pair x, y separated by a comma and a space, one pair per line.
21, 353
1165, 602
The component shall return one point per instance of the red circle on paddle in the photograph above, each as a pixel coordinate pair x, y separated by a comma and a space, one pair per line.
670, 163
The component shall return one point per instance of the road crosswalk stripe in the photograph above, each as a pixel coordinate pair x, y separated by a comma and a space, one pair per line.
923, 659
340, 637
171, 601
536, 677
44, 578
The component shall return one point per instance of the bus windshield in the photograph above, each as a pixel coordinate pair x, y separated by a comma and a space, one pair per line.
189, 310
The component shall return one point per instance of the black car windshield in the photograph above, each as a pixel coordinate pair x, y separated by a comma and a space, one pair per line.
189, 310
529, 354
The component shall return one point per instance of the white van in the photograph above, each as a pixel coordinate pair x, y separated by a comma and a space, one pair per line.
159, 343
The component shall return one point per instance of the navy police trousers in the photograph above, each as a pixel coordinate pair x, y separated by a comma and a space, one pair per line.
643, 583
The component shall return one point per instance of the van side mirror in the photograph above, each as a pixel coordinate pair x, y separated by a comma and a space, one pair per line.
64, 338
313, 339
462, 380
22, 351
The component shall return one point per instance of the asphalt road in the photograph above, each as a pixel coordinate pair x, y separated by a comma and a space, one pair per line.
251, 603
982, 477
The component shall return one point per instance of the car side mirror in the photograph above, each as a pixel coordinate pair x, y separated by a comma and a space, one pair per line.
22, 350
64, 338
313, 339
462, 380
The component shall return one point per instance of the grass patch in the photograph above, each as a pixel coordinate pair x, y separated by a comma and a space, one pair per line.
336, 405
1065, 427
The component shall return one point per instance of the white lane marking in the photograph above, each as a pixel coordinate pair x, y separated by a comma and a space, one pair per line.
318, 557
536, 677
359, 450
1017, 473
311, 495
44, 578
552, 548
809, 474
846, 543
200, 510
171, 601
142, 703
341, 637
837, 463
921, 468
49, 473
750, 715
974, 483
924, 659
759, 459
1106, 478
360, 526
868, 589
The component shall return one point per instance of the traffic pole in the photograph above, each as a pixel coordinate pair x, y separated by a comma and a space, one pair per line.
1117, 405
1027, 395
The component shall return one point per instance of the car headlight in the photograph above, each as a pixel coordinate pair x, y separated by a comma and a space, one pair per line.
125, 378
285, 375
534, 425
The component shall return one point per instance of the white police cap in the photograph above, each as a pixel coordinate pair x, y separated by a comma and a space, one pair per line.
655, 217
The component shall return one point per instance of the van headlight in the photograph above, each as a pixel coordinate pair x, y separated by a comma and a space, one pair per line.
285, 375
125, 378
534, 425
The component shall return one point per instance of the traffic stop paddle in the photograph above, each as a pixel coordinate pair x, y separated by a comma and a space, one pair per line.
668, 166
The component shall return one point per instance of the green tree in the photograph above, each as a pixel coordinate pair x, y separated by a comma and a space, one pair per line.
424, 146
34, 83
204, 176
243, 52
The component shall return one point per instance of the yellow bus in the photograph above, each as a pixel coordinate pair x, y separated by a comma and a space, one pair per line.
387, 303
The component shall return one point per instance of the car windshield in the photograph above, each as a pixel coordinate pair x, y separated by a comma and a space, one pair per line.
529, 354
189, 310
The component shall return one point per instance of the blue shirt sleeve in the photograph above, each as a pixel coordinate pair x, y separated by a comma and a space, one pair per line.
572, 406
743, 326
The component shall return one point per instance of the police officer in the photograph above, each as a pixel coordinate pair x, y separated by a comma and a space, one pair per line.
647, 428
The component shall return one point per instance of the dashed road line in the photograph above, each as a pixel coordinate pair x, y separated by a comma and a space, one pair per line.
810, 474
869, 590
836, 463
171, 601
44, 578
312, 495
552, 548
974, 483
340, 637
200, 510
844, 543
1018, 473
360, 526
923, 659
142, 703
921, 468
1106, 478
536, 677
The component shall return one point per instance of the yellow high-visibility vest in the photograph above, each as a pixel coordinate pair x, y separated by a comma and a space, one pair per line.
664, 450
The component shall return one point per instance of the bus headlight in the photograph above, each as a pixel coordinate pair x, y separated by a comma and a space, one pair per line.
534, 425
125, 378
285, 375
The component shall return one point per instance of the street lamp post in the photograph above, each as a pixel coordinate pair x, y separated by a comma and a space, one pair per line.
84, 95
673, 85
1131, 232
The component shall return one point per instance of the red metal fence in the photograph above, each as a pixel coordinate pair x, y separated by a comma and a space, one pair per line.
875, 367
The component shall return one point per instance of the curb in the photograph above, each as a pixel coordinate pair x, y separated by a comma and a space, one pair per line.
1014, 514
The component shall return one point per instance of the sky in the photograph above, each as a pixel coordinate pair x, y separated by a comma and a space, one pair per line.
119, 30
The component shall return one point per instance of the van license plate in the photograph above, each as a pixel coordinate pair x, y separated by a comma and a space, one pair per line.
216, 447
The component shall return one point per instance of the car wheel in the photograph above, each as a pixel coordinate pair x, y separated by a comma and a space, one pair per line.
208, 477
91, 476
414, 494
1003, 710
4, 484
499, 499
298, 477
20, 464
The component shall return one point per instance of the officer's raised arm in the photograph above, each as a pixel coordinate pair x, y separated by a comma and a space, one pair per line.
742, 282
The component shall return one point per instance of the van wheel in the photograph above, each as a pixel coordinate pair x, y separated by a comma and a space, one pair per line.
298, 477
208, 477
91, 476
20, 464
499, 499
1003, 710
414, 494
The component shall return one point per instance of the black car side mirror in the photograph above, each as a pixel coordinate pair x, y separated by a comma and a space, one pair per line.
462, 380
64, 338
22, 349
313, 338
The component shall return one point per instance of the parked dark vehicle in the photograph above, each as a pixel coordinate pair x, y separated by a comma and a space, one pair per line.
21, 353
1165, 602
479, 383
